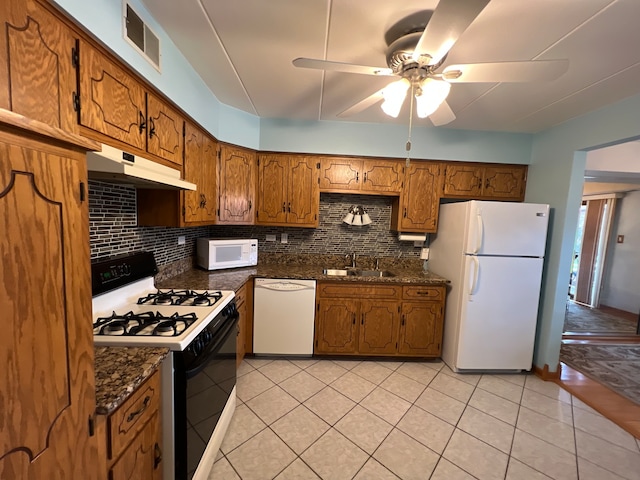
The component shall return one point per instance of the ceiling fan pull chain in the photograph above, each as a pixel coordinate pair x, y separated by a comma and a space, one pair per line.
408, 145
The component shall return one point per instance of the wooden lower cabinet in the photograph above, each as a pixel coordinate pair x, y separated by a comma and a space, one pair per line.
241, 305
379, 320
134, 435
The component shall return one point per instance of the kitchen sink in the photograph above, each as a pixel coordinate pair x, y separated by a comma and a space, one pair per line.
374, 273
338, 272
343, 272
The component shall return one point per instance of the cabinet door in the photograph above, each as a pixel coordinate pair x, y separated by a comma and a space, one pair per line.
273, 174
193, 149
504, 182
236, 179
382, 176
241, 305
336, 326
420, 198
340, 174
164, 130
143, 457
464, 181
112, 102
303, 204
421, 329
37, 76
207, 183
379, 322
47, 379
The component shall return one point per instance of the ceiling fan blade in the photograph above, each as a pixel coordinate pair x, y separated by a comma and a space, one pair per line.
449, 20
533, 71
442, 115
341, 67
362, 104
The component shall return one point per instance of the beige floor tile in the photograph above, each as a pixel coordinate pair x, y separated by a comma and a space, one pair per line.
302, 386
415, 462
500, 387
300, 428
599, 426
257, 362
418, 371
279, 370
515, 378
272, 404
549, 389
261, 458
334, 457
298, 470
470, 378
372, 371
435, 364
552, 431
610, 457
443, 406
544, 457
489, 429
577, 403
347, 364
251, 385
326, 372
589, 471
453, 387
363, 428
244, 368
403, 386
386, 405
223, 469
550, 407
373, 470
392, 364
519, 471
244, 425
448, 471
329, 405
303, 362
476, 457
426, 428
496, 406
353, 386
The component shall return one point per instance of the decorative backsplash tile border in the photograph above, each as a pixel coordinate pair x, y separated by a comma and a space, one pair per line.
113, 230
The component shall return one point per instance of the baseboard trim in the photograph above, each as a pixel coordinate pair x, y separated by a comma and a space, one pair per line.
545, 374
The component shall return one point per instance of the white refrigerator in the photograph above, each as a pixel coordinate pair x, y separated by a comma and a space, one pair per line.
492, 252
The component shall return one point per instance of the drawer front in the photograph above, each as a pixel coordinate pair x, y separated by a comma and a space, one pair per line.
418, 292
131, 417
338, 290
241, 295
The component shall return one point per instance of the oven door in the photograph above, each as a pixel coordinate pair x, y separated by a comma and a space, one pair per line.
203, 384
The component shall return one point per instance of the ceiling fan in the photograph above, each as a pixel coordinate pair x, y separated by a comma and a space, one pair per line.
416, 54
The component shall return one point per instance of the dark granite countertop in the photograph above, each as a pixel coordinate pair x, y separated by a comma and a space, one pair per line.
120, 370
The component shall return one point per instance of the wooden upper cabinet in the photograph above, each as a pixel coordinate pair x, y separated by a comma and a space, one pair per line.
236, 184
200, 152
417, 208
164, 130
47, 379
37, 74
111, 101
485, 182
288, 190
371, 176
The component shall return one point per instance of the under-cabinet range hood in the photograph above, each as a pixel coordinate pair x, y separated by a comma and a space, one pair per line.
118, 166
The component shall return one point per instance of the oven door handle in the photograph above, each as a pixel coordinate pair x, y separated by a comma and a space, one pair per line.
203, 358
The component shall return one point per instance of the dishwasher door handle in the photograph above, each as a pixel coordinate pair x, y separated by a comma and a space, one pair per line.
285, 286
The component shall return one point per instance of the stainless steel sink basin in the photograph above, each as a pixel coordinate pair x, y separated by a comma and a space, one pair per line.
339, 272
343, 272
374, 273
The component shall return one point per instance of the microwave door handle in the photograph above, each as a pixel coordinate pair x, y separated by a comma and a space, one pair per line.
203, 358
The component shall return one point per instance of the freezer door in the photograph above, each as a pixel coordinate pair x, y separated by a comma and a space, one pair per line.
499, 313
506, 228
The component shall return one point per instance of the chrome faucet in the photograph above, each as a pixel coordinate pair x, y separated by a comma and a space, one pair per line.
377, 267
352, 257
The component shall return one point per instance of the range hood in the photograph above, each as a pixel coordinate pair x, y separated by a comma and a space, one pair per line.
117, 166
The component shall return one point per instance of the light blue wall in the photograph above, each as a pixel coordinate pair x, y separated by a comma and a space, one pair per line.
178, 80
556, 177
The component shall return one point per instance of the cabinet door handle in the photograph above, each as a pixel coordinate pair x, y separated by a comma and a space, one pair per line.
422, 293
354, 318
143, 122
145, 404
365, 177
405, 212
157, 456
357, 176
289, 207
479, 183
249, 204
284, 209
402, 319
152, 127
486, 184
362, 320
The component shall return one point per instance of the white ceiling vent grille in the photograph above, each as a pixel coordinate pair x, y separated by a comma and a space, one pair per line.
138, 34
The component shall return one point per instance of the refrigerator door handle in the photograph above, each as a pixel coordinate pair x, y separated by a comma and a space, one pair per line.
476, 272
479, 232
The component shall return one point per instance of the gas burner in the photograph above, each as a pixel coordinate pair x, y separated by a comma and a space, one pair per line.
181, 297
174, 325
146, 323
166, 328
163, 299
119, 327
202, 300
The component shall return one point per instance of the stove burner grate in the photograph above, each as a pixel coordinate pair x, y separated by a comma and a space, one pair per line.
181, 297
147, 323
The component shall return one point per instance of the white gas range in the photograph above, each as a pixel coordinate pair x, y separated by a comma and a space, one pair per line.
199, 374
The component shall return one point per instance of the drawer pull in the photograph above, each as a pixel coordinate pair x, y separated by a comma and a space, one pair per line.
144, 406
157, 456
422, 292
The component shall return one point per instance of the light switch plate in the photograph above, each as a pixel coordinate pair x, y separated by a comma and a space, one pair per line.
181, 240
270, 238
424, 253
284, 238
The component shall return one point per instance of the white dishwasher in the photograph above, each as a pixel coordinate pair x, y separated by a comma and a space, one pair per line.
283, 316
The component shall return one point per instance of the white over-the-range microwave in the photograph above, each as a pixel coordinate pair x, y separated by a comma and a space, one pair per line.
216, 254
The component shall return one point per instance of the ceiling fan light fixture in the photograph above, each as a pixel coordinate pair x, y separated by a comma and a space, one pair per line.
430, 95
394, 95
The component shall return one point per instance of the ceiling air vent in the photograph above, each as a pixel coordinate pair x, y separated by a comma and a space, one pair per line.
141, 36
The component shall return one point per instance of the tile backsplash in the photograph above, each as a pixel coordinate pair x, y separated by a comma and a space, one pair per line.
114, 230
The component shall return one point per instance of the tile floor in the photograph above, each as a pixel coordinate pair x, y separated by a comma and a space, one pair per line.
367, 420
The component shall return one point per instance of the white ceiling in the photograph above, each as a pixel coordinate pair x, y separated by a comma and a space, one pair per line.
243, 50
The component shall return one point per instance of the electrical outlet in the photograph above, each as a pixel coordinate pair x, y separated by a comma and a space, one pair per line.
424, 253
270, 238
284, 238
181, 240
